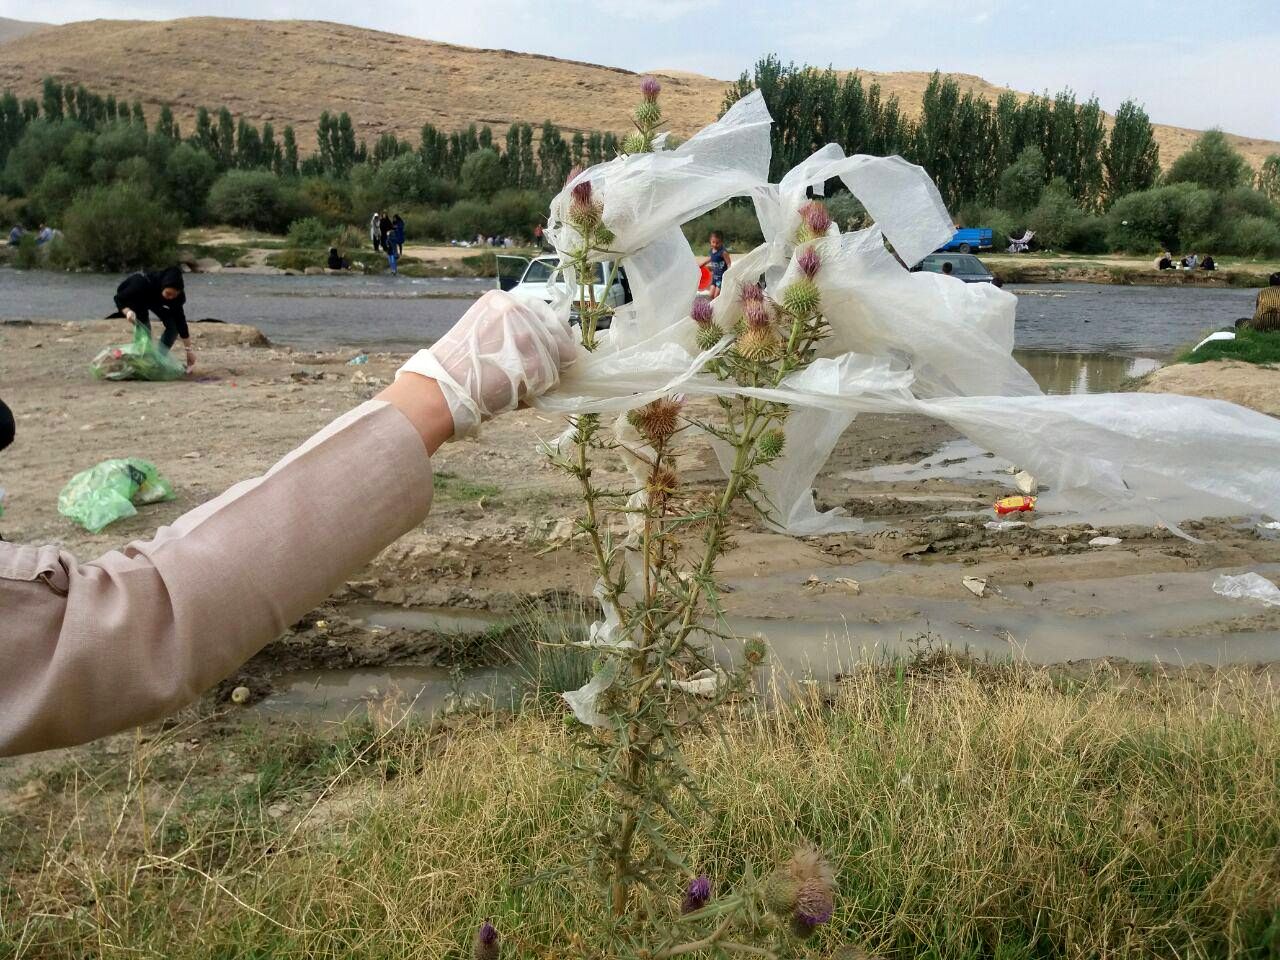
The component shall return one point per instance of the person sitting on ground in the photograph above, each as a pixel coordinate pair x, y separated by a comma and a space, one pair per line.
160, 292
336, 262
717, 262
45, 235
89, 649
16, 235
1266, 310
1164, 261
1207, 263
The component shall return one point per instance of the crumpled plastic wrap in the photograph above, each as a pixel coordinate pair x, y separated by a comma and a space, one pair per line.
901, 342
1248, 586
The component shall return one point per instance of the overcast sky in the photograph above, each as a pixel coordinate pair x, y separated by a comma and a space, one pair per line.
1195, 64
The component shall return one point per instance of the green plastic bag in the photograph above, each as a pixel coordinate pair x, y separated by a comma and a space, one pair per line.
107, 492
143, 359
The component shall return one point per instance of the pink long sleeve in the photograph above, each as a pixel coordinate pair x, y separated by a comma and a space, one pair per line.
90, 649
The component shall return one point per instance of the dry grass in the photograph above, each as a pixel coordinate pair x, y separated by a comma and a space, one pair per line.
287, 71
997, 812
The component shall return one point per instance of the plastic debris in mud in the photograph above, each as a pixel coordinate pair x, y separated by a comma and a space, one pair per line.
1018, 504
1104, 541
1248, 586
141, 359
975, 585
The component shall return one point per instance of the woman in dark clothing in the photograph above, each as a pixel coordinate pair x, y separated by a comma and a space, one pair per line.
397, 233
7, 426
336, 260
159, 292
385, 228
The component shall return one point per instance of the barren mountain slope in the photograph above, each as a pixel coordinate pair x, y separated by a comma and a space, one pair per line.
13, 29
288, 71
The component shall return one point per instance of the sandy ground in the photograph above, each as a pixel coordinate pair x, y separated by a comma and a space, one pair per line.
494, 540
1247, 384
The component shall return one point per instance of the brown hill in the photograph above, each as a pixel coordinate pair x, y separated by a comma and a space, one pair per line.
288, 71
13, 29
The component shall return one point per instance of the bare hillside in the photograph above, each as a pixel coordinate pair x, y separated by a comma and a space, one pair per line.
288, 71
13, 29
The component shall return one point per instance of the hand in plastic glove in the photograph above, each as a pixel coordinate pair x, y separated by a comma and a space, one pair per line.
501, 352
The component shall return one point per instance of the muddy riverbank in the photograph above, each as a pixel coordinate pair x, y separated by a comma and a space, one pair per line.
495, 545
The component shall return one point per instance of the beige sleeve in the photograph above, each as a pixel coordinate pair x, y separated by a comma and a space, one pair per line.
90, 649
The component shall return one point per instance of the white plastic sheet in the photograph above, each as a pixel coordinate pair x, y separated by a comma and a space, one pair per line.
1248, 586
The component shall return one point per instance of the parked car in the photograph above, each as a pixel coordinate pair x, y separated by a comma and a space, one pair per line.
969, 239
964, 266
541, 278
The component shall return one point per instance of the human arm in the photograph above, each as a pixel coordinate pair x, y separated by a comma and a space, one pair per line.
87, 649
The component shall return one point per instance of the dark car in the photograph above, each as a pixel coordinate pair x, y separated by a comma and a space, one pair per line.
964, 266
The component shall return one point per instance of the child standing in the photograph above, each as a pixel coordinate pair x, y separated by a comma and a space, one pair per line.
717, 262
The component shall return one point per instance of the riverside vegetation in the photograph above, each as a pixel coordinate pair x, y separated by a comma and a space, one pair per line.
74, 158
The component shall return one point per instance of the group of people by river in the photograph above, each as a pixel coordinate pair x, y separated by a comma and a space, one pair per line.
387, 235
1192, 261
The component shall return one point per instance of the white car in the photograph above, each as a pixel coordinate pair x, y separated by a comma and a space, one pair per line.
541, 278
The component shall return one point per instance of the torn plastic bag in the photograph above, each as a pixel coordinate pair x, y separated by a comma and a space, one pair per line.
110, 491
1248, 586
141, 359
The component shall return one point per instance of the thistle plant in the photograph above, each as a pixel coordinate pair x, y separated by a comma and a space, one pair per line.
655, 544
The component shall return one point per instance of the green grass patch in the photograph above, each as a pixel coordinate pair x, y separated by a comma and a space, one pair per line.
454, 487
1251, 346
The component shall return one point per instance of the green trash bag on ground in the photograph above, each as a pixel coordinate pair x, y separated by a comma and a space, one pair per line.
143, 359
107, 492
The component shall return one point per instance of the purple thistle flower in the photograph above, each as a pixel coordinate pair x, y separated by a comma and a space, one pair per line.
696, 895
756, 314
486, 945
650, 88
815, 217
574, 171
808, 261
701, 310
751, 293
581, 193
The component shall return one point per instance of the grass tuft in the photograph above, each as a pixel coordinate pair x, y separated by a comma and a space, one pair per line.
1251, 346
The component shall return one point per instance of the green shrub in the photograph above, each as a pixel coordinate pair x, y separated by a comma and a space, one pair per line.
1173, 217
1003, 224
27, 256
1253, 237
119, 227
735, 220
1211, 162
309, 232
189, 173
326, 199
482, 173
1055, 218
251, 198
847, 211
51, 197
1022, 182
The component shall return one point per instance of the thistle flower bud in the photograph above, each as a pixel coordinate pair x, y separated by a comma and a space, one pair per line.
709, 336
486, 943
751, 293
755, 651
780, 893
604, 237
770, 445
801, 298
657, 420
701, 311
696, 895
808, 261
759, 344
648, 113
635, 143
814, 220
650, 88
756, 314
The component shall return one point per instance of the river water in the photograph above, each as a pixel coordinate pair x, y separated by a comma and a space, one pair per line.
1073, 337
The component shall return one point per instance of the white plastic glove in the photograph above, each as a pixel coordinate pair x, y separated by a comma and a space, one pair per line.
502, 351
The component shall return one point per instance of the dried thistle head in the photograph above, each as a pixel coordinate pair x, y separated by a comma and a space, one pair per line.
650, 88
663, 483
486, 946
815, 890
658, 419
696, 895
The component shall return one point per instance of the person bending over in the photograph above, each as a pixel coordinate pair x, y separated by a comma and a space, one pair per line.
88, 649
160, 292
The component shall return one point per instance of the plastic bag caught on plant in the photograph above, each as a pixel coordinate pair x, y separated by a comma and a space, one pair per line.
583, 701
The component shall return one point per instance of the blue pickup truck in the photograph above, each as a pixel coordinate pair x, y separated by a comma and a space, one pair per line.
969, 239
